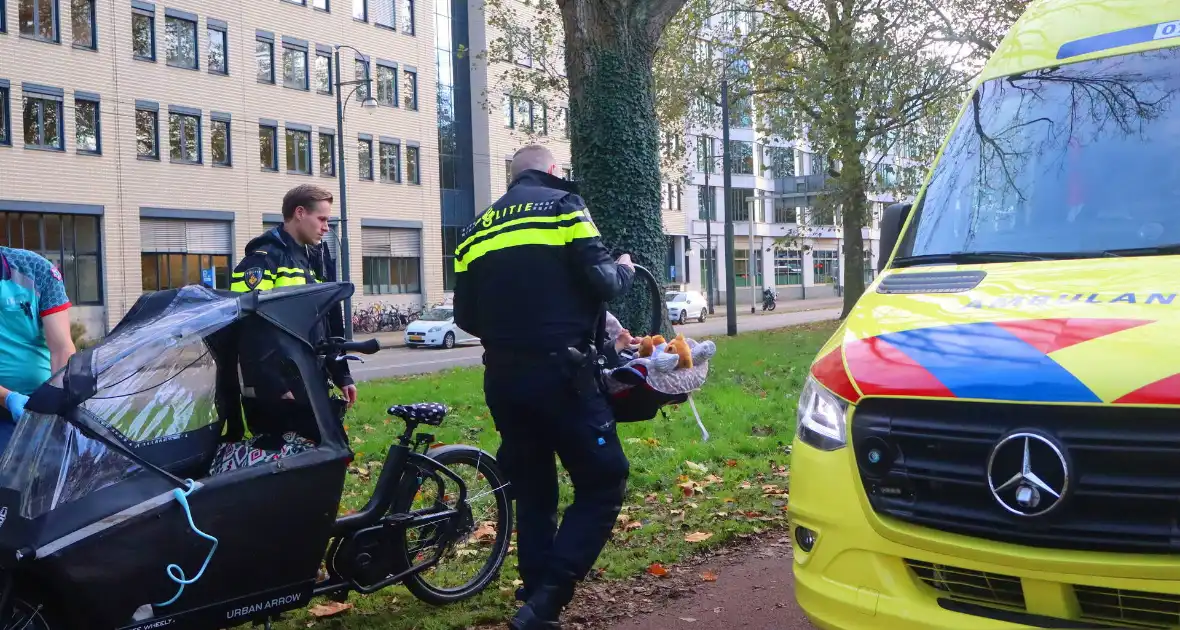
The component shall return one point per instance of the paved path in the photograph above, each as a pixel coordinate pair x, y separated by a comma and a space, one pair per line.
754, 593
401, 361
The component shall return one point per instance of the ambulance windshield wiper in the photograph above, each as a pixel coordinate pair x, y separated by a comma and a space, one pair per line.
973, 257
1157, 250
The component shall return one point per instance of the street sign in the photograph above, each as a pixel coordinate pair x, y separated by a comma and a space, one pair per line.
207, 278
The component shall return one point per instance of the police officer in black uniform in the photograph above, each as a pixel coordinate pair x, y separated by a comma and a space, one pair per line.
532, 277
289, 255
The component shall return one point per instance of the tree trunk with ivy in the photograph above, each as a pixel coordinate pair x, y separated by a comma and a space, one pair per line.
610, 47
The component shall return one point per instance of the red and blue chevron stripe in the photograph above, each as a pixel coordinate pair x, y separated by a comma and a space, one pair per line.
1003, 361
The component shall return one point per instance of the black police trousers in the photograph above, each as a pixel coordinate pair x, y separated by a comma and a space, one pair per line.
539, 413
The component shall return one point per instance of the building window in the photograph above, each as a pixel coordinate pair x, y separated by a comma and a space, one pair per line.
741, 267
522, 116
264, 56
674, 192
44, 127
143, 35
184, 136
222, 149
180, 41
407, 16
71, 242
411, 89
323, 74
360, 72
86, 125
741, 157
82, 20
364, 158
327, 154
781, 161
827, 266
268, 150
5, 116
705, 154
163, 271
562, 119
413, 167
299, 151
384, 14
785, 211
392, 261
360, 10
38, 19
707, 203
322, 5
567, 174
294, 68
386, 85
217, 50
507, 173
390, 155
788, 267
147, 134
450, 242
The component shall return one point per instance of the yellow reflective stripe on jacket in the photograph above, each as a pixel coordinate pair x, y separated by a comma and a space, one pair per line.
549, 235
533, 219
282, 277
239, 286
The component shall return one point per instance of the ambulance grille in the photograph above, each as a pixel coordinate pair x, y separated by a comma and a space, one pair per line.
1124, 471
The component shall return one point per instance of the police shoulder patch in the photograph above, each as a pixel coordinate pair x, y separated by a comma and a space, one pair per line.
253, 276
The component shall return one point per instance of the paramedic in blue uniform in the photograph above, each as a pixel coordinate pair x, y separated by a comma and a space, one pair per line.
35, 339
532, 274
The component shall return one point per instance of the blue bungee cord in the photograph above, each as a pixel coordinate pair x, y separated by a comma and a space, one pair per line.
178, 575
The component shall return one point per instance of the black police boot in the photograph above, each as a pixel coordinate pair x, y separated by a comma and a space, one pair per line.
543, 608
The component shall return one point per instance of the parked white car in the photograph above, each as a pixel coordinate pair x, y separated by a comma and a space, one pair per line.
436, 327
685, 304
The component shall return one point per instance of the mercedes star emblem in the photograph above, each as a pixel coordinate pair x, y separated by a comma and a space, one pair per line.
1028, 474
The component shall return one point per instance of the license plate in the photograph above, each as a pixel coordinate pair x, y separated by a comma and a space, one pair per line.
415, 337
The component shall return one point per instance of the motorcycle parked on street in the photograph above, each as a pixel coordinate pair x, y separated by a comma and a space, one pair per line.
769, 299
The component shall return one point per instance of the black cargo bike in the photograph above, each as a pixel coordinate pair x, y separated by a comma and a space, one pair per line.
131, 496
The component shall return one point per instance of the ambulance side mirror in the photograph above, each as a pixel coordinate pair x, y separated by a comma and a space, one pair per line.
891, 221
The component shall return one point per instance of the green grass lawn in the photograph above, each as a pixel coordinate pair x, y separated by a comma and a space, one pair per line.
679, 486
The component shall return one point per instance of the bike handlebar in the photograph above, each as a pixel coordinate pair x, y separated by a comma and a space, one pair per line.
336, 347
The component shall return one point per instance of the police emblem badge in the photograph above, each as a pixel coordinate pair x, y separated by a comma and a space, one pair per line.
253, 277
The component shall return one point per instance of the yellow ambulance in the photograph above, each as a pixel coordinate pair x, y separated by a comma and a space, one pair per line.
991, 440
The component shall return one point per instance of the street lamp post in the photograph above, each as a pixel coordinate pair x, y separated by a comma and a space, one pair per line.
368, 103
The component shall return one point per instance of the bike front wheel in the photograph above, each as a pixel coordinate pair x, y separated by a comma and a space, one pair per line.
472, 545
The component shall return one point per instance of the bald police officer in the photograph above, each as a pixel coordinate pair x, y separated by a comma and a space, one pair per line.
532, 277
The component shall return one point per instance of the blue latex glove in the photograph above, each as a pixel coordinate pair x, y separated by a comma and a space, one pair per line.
15, 403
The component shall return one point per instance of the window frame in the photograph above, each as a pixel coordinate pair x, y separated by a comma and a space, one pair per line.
262, 38
299, 49
57, 98
369, 262
364, 141
407, 11
273, 129
216, 119
327, 56
92, 99
386, 74
5, 109
331, 153
148, 12
172, 16
411, 95
182, 114
413, 167
201, 258
93, 24
55, 38
68, 275
293, 132
217, 26
154, 111
396, 155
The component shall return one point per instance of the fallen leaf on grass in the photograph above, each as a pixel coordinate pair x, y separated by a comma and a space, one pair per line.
695, 466
732, 463
709, 576
329, 609
697, 537
632, 525
657, 569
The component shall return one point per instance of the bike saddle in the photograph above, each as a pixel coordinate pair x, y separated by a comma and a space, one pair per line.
426, 412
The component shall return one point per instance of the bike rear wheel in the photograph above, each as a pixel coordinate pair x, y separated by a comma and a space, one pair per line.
475, 532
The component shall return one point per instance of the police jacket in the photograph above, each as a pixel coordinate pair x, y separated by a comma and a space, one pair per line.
532, 272
275, 260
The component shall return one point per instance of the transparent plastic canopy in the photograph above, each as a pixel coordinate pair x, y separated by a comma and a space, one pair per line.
155, 381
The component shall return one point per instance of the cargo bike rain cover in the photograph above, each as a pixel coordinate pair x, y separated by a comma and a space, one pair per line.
151, 389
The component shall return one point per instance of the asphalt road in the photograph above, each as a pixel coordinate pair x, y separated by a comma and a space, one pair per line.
391, 362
